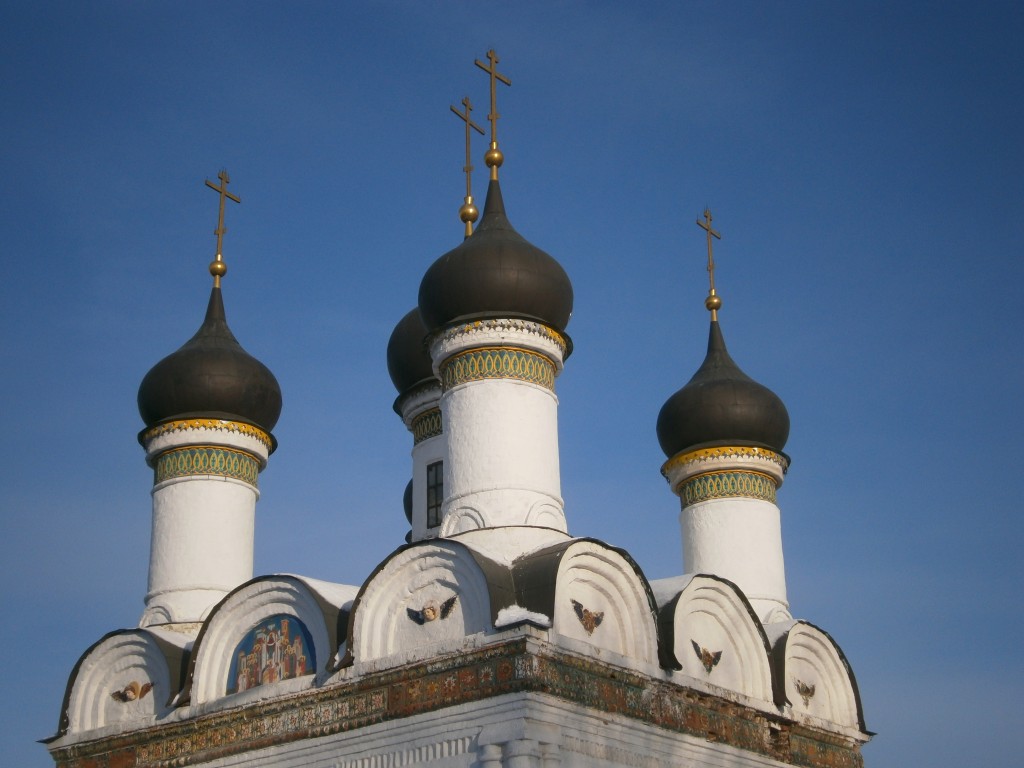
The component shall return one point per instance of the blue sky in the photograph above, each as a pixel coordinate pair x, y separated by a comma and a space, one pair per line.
863, 162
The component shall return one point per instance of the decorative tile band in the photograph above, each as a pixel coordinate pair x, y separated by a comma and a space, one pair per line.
206, 460
724, 485
426, 425
513, 666
230, 426
498, 363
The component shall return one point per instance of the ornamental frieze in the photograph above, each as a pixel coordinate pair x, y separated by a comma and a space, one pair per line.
206, 460
726, 485
426, 426
498, 363
520, 664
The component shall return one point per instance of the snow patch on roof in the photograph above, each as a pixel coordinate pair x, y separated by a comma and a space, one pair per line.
515, 614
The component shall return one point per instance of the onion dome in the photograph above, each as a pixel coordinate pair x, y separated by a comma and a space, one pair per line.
495, 273
408, 358
407, 501
211, 376
721, 405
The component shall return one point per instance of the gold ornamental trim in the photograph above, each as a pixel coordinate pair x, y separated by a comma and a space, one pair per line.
497, 363
196, 460
727, 485
230, 426
504, 324
426, 426
725, 452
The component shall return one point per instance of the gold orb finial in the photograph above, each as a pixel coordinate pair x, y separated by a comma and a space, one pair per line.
494, 158
713, 302
469, 213
217, 267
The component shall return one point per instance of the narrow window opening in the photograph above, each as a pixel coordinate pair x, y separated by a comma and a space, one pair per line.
435, 493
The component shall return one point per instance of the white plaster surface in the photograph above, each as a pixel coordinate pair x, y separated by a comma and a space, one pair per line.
502, 442
665, 589
109, 667
592, 577
501, 459
424, 453
504, 545
739, 539
201, 547
712, 613
419, 402
419, 582
812, 659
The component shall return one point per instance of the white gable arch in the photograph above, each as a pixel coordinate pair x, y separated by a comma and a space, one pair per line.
716, 637
429, 593
816, 678
277, 602
123, 678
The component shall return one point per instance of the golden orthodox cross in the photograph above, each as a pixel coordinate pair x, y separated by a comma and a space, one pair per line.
715, 302
218, 265
468, 168
494, 157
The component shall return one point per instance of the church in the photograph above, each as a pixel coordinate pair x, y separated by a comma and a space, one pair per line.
492, 637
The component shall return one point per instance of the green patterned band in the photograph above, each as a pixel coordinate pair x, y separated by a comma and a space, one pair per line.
426, 425
725, 485
498, 363
207, 460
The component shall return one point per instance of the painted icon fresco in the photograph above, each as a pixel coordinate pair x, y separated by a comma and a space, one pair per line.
278, 648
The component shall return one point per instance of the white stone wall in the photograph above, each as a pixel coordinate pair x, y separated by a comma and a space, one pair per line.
424, 453
501, 466
732, 535
202, 546
739, 539
524, 730
203, 528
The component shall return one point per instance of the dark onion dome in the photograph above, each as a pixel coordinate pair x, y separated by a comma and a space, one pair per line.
495, 273
211, 376
407, 501
721, 405
408, 358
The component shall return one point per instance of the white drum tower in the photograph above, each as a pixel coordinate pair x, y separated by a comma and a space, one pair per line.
208, 408
723, 434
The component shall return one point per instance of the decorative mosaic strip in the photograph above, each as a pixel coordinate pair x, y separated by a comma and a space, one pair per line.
230, 426
207, 460
517, 665
426, 425
725, 485
725, 452
498, 363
